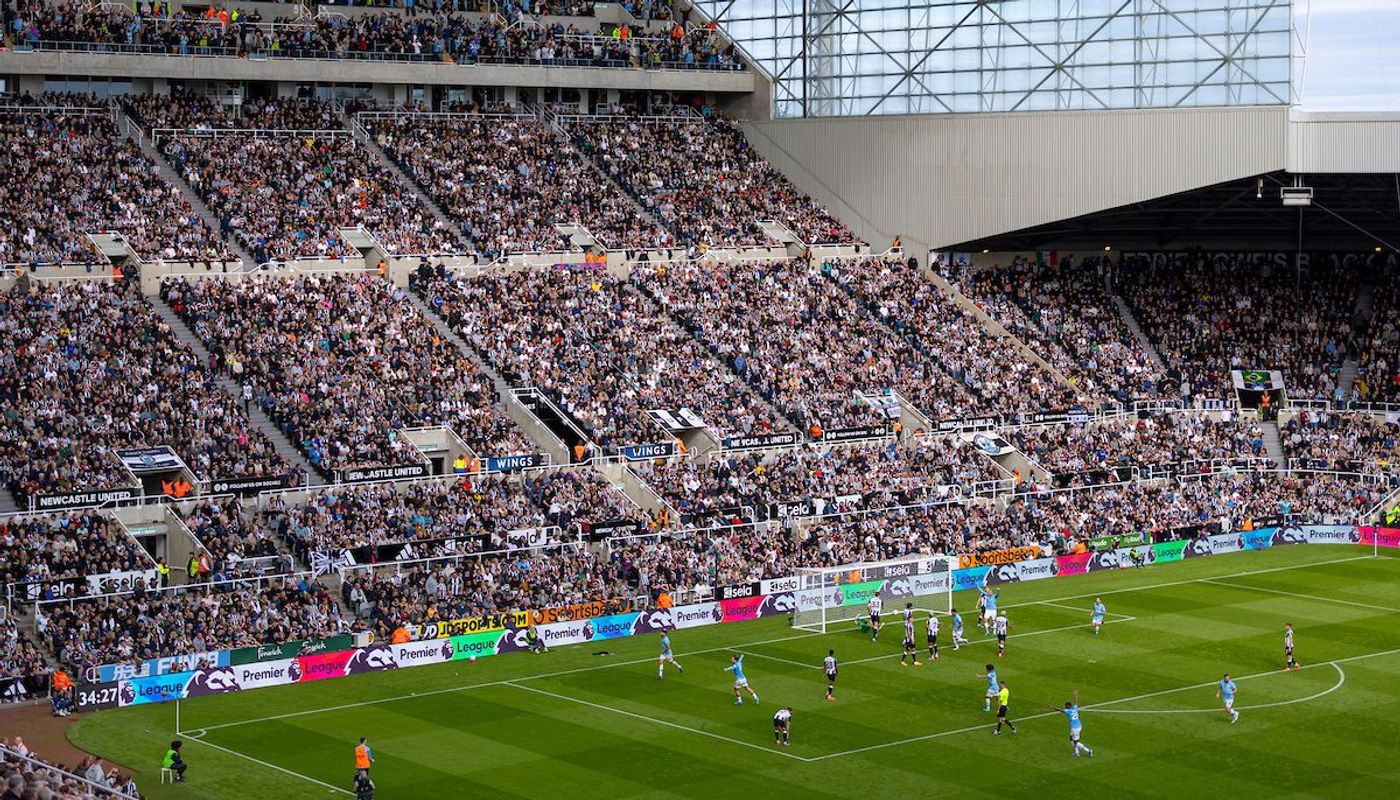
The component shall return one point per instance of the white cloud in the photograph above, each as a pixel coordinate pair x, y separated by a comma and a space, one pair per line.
1351, 61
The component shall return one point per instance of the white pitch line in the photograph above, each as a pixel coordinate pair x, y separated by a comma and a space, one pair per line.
1245, 587
449, 690
675, 725
260, 762
1166, 584
791, 661
992, 639
1076, 608
1341, 679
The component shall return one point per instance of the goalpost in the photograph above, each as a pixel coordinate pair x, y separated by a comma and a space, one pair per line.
829, 595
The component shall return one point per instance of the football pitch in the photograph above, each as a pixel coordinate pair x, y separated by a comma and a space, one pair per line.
586, 725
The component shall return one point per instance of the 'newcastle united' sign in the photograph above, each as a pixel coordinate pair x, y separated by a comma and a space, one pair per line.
46, 502
383, 473
759, 441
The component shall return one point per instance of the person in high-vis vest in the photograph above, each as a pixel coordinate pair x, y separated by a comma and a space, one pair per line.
163, 571
364, 758
192, 569
459, 464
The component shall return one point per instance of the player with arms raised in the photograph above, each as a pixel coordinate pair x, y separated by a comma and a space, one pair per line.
736, 666
875, 607
1076, 727
911, 649
666, 655
1226, 692
829, 667
988, 602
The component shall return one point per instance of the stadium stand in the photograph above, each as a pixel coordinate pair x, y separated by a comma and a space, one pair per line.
1209, 317
1067, 312
599, 350
516, 182
42, 550
801, 340
1345, 442
72, 395
1167, 439
702, 180
70, 172
24, 774
344, 342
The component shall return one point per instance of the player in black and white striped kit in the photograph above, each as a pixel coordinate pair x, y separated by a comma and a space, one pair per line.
999, 625
829, 667
1289, 661
933, 624
781, 722
875, 607
911, 650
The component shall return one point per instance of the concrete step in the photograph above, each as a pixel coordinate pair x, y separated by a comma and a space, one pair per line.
285, 447
1365, 302
1273, 443
1346, 379
168, 172
9, 504
1148, 349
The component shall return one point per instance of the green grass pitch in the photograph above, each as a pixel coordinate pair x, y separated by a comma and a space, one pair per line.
569, 722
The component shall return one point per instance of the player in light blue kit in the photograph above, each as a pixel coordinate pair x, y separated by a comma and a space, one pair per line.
1071, 712
666, 655
736, 666
1099, 610
993, 688
989, 606
958, 637
1226, 692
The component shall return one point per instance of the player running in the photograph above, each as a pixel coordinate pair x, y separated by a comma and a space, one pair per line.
1003, 708
1289, 662
875, 607
666, 655
911, 649
932, 631
988, 601
781, 722
993, 688
958, 637
1227, 693
1000, 625
1071, 712
829, 667
1099, 610
736, 666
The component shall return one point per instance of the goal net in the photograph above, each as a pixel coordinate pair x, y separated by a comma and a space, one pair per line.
830, 595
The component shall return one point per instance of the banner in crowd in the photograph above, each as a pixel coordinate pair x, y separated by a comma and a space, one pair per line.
152, 667
646, 452
759, 441
853, 434
115, 582
58, 500
296, 647
247, 486
515, 463
1121, 540
149, 460
503, 633
677, 420
398, 472
1006, 556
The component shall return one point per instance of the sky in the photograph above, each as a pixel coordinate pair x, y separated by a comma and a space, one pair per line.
1353, 56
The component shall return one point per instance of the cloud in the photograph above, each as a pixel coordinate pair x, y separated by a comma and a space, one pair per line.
1351, 61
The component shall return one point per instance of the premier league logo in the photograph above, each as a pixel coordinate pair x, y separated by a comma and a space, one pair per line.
127, 693
588, 631
716, 613
446, 650
294, 671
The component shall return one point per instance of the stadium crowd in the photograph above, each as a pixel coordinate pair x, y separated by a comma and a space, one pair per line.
352, 362
703, 180
1344, 442
839, 479
69, 172
801, 340
514, 184
1159, 440
989, 366
229, 534
41, 549
287, 195
20, 658
145, 624
1208, 317
198, 113
1065, 311
89, 368
38, 779
600, 350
